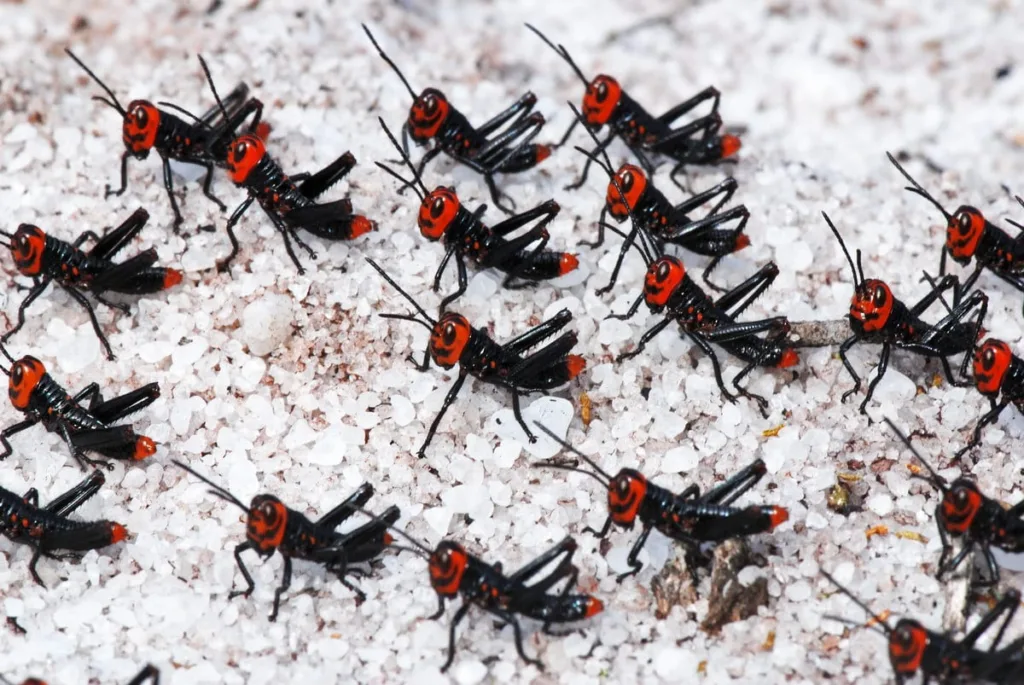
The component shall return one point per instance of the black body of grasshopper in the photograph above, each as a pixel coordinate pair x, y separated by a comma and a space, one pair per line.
487, 149
49, 531
876, 316
202, 141
91, 428
46, 260
273, 527
453, 341
689, 517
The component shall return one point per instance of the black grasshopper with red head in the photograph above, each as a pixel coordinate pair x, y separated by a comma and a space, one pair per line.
290, 202
999, 376
203, 141
453, 341
605, 103
669, 290
524, 259
689, 517
150, 674
488, 149
454, 572
273, 527
914, 649
49, 531
970, 236
876, 316
632, 194
46, 260
83, 428
965, 512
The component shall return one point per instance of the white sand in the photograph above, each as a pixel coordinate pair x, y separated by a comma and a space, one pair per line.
278, 383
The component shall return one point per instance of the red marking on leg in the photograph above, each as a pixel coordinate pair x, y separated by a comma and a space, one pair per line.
789, 358
567, 263
576, 364
172, 277
144, 447
361, 225
730, 145
263, 130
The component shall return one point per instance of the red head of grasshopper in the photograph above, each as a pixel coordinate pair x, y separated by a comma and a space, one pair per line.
449, 335
872, 301
27, 246
266, 517
141, 118
991, 362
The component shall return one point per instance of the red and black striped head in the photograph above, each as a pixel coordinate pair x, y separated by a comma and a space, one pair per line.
140, 127
963, 232
907, 644
664, 277
244, 153
632, 182
872, 302
961, 503
991, 363
27, 244
448, 339
871, 306
600, 101
266, 523
626, 493
964, 227
437, 212
25, 375
447, 565
427, 115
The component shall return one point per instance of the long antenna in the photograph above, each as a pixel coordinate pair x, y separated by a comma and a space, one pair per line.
113, 102
213, 88
552, 464
215, 489
881, 621
408, 163
846, 252
7, 371
916, 187
646, 244
390, 63
562, 52
936, 479
407, 296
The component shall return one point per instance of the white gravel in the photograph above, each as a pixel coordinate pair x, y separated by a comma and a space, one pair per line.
274, 382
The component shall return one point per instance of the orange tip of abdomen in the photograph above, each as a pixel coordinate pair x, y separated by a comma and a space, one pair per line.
594, 607
361, 226
144, 447
742, 241
543, 152
730, 145
778, 516
576, 364
172, 277
117, 533
789, 358
567, 263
